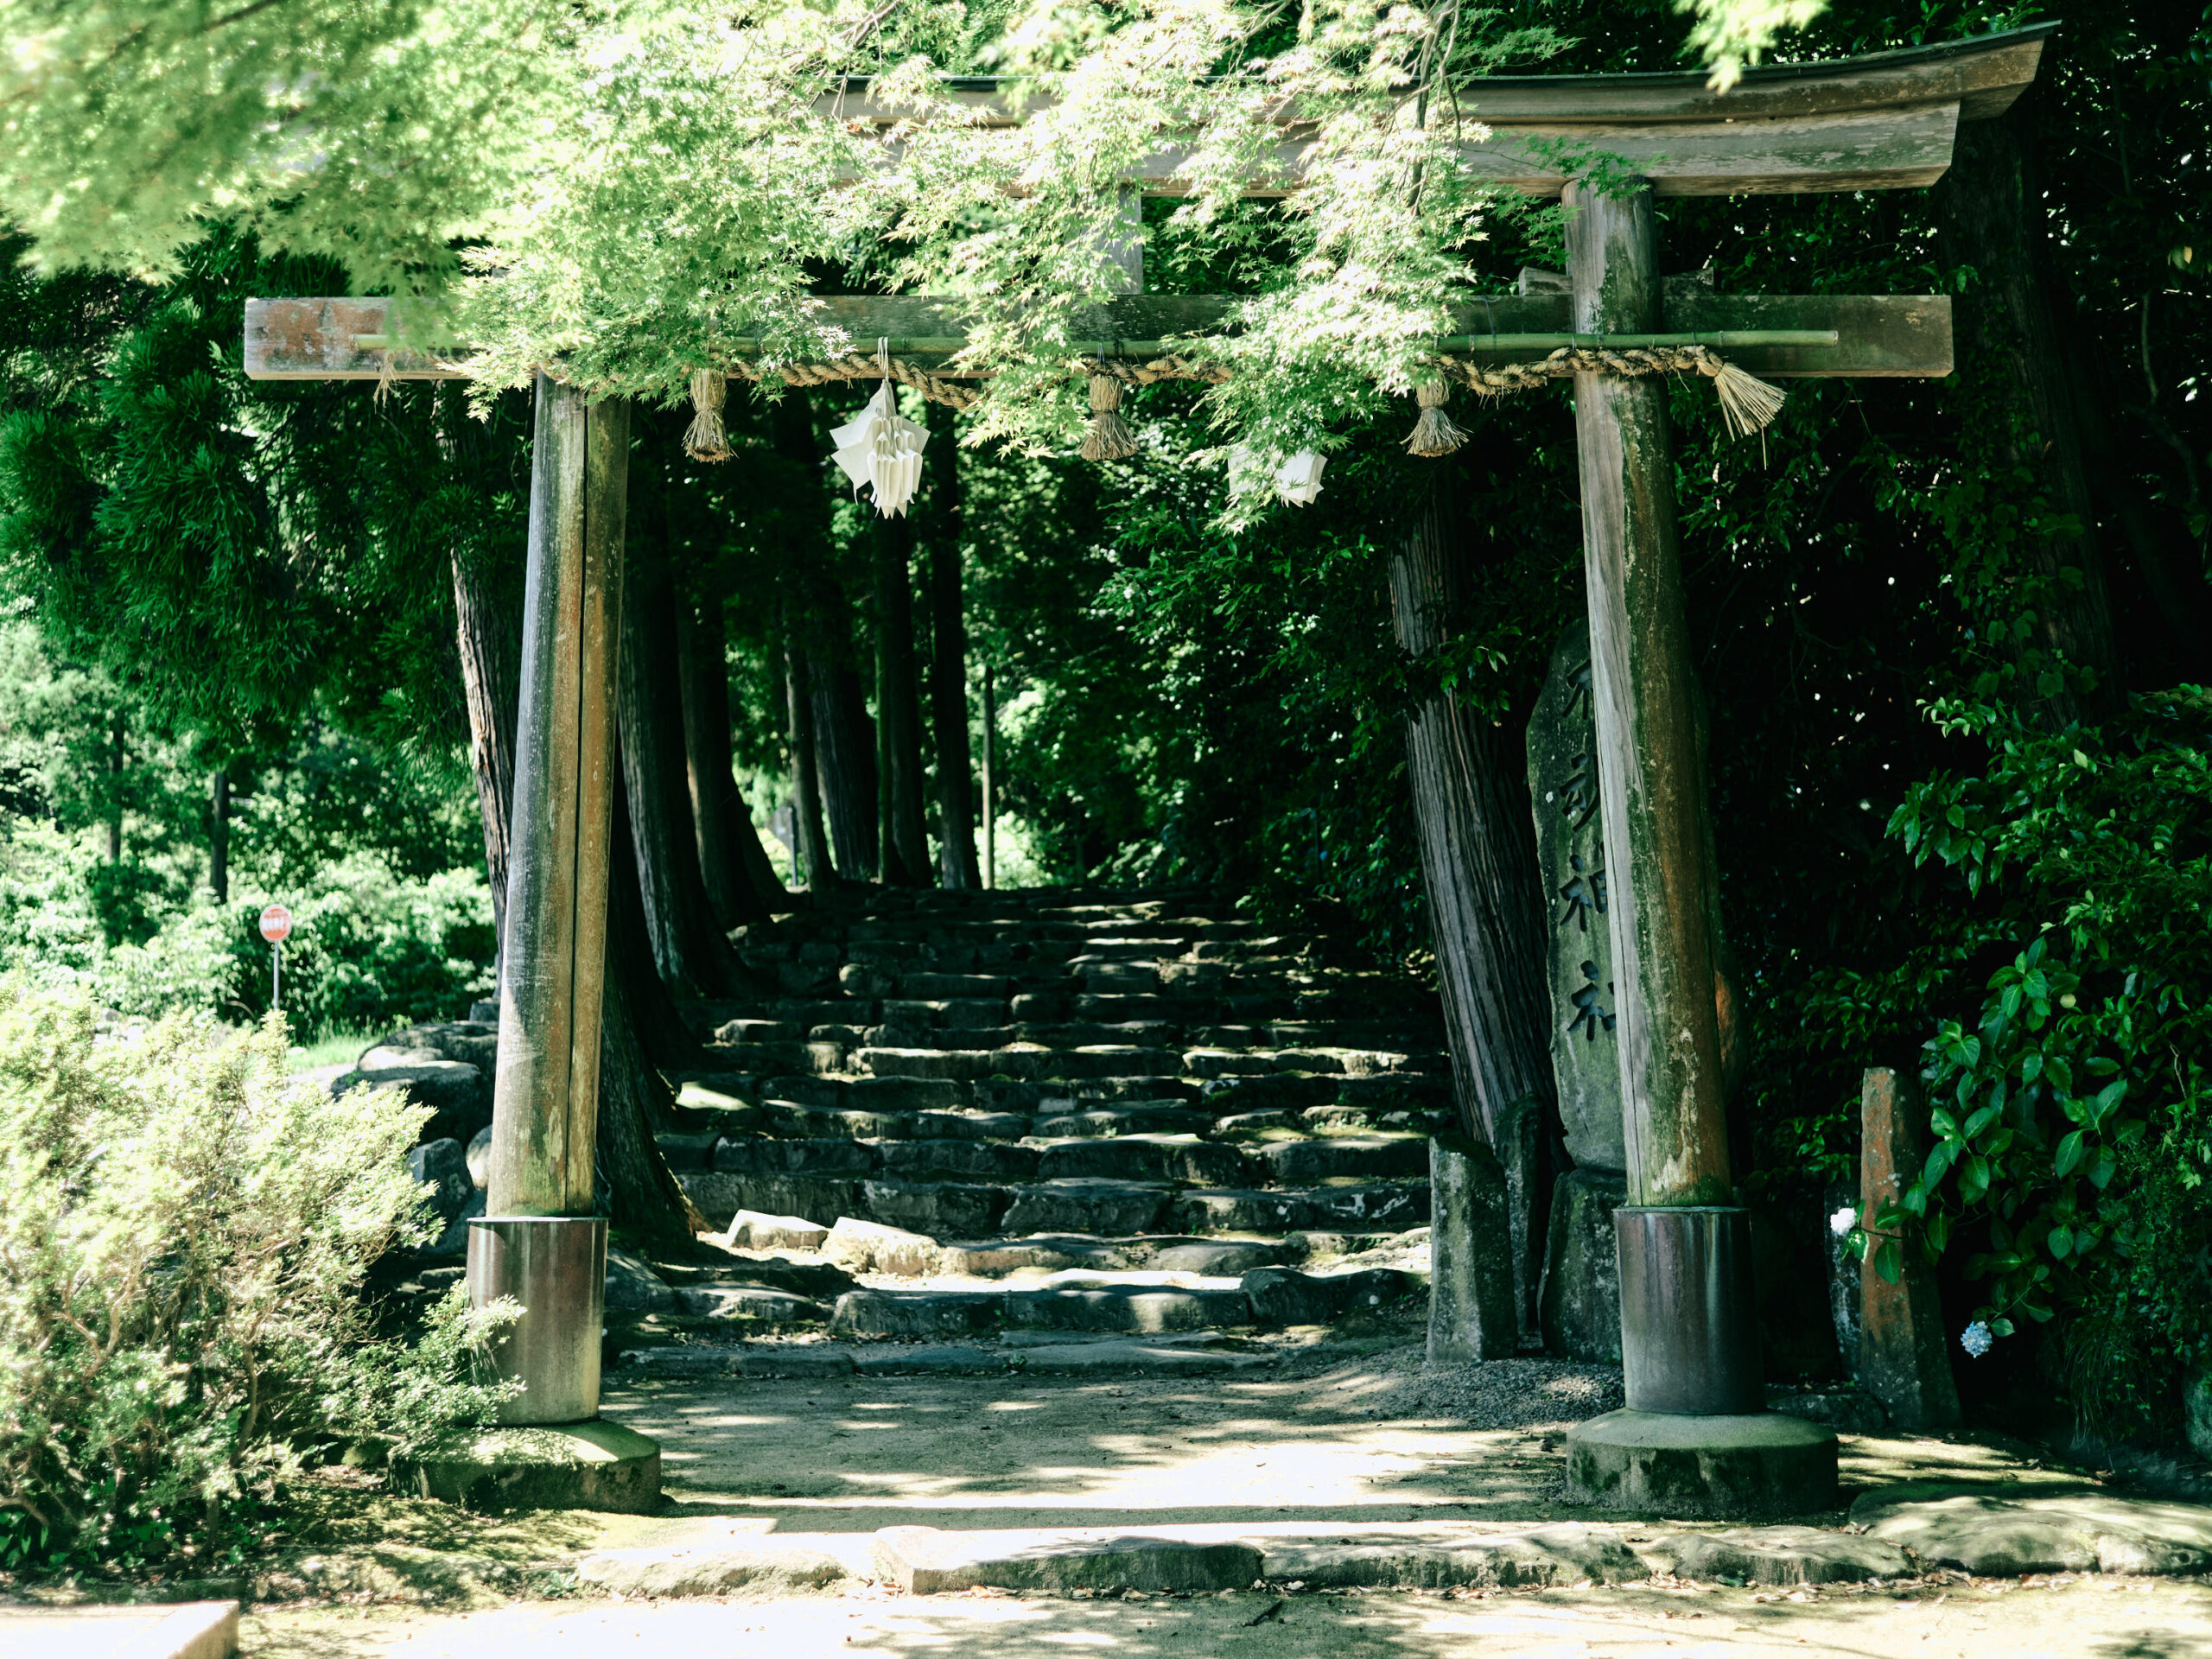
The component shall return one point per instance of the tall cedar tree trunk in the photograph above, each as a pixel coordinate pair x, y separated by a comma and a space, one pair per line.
741, 884
899, 724
844, 739
956, 781
115, 805
813, 845
218, 836
691, 952
487, 680
1477, 843
1991, 203
819, 623
661, 1035
630, 1172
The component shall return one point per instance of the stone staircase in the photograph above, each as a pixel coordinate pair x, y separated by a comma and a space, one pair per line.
995, 1117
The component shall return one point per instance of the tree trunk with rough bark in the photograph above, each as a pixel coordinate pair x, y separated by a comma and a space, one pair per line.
955, 784
490, 648
820, 872
657, 1025
898, 733
1480, 870
742, 888
690, 951
1478, 845
218, 836
2010, 351
633, 1182
844, 743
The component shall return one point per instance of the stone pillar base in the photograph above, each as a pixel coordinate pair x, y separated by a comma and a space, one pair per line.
595, 1465
1760, 1464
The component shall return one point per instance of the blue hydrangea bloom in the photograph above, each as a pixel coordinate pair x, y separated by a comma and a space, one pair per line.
1977, 1340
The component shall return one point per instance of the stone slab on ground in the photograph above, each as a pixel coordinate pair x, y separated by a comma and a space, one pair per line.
706, 1571
749, 1230
1417, 1559
196, 1630
593, 1466
763, 1359
2001, 1534
1134, 1308
924, 1561
1775, 1555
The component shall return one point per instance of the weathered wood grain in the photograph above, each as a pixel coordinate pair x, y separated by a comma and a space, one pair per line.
1884, 334
1643, 686
544, 1104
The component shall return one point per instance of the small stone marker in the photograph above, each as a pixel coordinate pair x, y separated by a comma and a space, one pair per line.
1904, 1358
1571, 860
1472, 1313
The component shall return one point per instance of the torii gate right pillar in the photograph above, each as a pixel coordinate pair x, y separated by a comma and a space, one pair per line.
1695, 1437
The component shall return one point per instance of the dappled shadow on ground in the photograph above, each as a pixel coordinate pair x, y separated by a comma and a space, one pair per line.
2130, 1621
857, 1453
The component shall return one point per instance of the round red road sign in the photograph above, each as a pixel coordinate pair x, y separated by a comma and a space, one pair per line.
276, 924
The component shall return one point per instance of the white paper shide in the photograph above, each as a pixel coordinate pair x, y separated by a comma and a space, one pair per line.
882, 448
1297, 481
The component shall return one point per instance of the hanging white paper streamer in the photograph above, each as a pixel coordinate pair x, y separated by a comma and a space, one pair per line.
882, 448
1298, 481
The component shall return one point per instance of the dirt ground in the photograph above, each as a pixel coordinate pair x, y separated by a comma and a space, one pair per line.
2110, 1619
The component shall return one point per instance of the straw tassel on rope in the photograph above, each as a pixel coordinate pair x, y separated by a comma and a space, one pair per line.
1747, 403
1435, 434
1108, 437
705, 438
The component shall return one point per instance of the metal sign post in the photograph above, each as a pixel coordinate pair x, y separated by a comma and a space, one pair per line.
276, 927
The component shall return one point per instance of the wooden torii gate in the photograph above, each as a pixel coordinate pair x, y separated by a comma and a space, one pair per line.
1695, 1437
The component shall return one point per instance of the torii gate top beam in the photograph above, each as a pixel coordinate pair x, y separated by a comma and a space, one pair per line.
1883, 121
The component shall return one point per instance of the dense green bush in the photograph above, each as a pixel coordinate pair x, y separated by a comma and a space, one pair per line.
2072, 1115
183, 1230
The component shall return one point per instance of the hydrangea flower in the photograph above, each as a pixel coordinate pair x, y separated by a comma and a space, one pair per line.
1843, 1221
1976, 1339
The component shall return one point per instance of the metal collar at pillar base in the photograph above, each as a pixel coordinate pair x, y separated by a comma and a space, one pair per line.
1759, 1466
556, 1267
1689, 1337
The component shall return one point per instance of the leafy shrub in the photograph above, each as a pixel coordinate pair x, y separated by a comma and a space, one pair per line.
369, 949
183, 1231
2072, 1117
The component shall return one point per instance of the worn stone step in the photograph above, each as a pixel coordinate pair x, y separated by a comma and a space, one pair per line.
1107, 948
836, 1156
1036, 1096
872, 1094
747, 1030
787, 1120
918, 1312
1150, 1308
1282, 1295
1133, 1033
940, 1159
950, 1013
1052, 1252
718, 1196
950, 1065
1275, 1091
821, 1281
940, 1209
1297, 1163
1119, 1007
1135, 1117
1103, 1207
958, 1037
688, 1150
932, 987
753, 1304
969, 1124
1145, 1158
